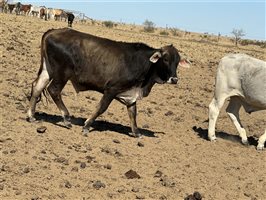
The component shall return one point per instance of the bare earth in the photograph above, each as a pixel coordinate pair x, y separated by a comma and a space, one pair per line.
173, 158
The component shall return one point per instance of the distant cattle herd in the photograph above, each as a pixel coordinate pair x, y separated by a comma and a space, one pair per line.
37, 11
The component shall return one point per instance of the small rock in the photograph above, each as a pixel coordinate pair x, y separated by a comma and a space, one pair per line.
169, 113
75, 169
140, 144
132, 174
167, 182
145, 126
98, 184
194, 196
108, 166
41, 129
13, 151
82, 165
34, 197
116, 141
18, 193
1, 186
26, 170
158, 174
67, 184
61, 160
135, 189
140, 197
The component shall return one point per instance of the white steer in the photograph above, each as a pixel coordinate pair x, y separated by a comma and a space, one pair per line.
243, 79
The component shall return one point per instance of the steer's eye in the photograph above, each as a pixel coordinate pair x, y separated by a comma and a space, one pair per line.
166, 60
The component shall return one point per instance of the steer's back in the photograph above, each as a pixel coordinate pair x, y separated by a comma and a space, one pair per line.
243, 76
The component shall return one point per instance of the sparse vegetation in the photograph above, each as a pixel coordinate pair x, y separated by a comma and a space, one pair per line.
262, 44
164, 32
174, 31
108, 24
149, 26
238, 33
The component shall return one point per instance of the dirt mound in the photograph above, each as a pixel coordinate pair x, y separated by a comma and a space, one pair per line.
173, 158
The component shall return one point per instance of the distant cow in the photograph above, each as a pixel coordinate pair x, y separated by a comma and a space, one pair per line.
119, 70
243, 79
70, 19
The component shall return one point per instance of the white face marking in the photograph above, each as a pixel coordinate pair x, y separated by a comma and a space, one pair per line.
131, 96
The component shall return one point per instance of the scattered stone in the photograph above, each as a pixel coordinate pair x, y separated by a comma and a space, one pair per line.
140, 144
67, 184
98, 184
158, 174
116, 141
132, 174
82, 165
13, 151
35, 198
140, 196
61, 160
135, 189
169, 113
75, 169
194, 196
108, 166
41, 129
145, 126
26, 170
1, 186
90, 159
5, 152
18, 193
167, 182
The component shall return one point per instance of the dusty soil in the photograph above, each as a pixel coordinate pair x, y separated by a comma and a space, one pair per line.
172, 159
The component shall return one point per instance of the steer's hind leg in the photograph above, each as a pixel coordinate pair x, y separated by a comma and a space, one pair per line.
214, 110
233, 112
132, 113
54, 90
101, 108
37, 87
261, 141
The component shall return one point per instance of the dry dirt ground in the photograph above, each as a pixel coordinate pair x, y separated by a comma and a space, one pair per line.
173, 158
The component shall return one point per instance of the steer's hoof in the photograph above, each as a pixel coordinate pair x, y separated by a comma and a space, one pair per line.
212, 138
245, 142
31, 119
260, 147
136, 135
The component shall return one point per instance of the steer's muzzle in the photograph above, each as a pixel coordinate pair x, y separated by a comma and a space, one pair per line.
172, 80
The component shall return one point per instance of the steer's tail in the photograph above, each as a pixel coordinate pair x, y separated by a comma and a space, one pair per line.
43, 61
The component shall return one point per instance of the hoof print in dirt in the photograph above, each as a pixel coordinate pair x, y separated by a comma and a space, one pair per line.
41, 129
194, 196
131, 174
98, 185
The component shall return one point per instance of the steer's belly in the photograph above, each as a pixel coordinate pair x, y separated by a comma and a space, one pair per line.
131, 96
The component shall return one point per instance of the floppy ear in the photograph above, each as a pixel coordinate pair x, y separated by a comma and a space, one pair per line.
155, 57
184, 63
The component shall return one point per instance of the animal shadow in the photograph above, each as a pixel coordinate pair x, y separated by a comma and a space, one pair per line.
203, 133
98, 125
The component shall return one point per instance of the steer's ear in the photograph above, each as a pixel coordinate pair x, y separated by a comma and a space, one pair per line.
184, 63
155, 57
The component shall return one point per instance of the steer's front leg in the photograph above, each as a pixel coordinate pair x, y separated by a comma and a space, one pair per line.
132, 113
101, 108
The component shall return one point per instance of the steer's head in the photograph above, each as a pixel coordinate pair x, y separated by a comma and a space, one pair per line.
165, 62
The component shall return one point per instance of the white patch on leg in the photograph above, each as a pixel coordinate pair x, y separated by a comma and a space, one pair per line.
43, 79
